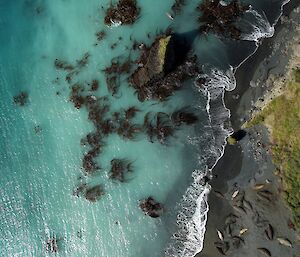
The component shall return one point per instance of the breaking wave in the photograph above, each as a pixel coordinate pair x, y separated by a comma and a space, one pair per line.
191, 219
257, 25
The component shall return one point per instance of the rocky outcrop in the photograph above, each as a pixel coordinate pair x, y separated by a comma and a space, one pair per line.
125, 12
162, 68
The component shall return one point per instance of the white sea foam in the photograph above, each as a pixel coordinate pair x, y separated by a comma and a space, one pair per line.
115, 24
191, 220
258, 24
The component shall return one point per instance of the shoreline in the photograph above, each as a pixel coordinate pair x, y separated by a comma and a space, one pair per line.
251, 163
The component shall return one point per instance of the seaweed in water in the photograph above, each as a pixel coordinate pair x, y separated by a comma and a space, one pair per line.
113, 73
125, 12
130, 112
151, 207
100, 35
94, 85
112, 85
117, 67
21, 99
128, 130
220, 18
63, 65
93, 194
76, 98
72, 69
159, 127
107, 127
83, 61
119, 168
89, 164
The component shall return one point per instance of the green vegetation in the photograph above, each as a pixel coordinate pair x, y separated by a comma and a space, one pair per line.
282, 116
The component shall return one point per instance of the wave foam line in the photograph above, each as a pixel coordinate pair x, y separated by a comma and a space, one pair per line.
191, 220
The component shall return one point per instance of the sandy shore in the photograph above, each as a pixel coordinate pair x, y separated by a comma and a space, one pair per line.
247, 164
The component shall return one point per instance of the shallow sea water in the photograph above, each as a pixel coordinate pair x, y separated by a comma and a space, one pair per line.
40, 170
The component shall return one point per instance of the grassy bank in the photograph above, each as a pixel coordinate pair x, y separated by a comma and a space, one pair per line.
282, 117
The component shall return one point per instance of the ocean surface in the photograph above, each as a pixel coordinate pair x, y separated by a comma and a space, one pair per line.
40, 150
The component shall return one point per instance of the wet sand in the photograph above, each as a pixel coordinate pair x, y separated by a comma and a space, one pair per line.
248, 163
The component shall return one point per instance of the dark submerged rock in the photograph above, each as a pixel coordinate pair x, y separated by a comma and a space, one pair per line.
125, 12
21, 99
220, 18
183, 116
151, 207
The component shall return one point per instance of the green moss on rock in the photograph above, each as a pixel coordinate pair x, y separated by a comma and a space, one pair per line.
231, 140
162, 49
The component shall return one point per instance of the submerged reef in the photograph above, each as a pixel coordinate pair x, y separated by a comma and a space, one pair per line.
221, 18
125, 12
282, 117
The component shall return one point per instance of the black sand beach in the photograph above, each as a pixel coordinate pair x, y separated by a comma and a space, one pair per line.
246, 165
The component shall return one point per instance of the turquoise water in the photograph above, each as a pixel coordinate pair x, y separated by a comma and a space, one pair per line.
40, 170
